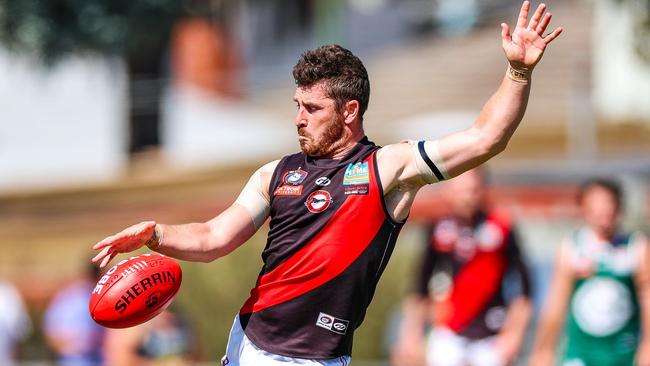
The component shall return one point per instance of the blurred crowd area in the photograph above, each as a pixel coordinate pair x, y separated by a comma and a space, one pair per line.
115, 112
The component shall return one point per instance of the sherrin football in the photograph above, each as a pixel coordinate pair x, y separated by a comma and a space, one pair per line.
135, 290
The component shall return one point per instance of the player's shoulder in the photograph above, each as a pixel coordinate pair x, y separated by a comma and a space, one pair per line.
269, 167
403, 147
395, 155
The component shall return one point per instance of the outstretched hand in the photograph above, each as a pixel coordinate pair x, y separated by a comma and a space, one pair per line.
525, 46
127, 240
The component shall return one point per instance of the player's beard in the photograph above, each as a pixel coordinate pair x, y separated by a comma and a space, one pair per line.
328, 142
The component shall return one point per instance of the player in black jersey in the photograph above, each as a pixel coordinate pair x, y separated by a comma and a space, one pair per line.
470, 322
337, 206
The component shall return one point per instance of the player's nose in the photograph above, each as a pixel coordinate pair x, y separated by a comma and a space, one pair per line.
300, 121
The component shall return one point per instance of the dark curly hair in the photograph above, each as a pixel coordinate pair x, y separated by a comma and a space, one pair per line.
344, 74
607, 184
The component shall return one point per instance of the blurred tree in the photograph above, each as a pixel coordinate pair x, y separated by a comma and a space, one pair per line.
640, 11
137, 30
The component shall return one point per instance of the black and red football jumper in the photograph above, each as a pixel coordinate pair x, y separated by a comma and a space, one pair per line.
330, 239
471, 270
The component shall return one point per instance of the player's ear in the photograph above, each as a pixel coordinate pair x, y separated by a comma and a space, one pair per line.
351, 111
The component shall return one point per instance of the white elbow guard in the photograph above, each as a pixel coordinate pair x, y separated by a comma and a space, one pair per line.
255, 198
428, 161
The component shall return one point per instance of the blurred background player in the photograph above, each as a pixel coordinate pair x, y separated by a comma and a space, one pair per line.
14, 323
601, 281
69, 329
473, 287
163, 341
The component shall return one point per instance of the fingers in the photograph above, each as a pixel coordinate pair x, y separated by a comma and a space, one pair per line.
548, 39
505, 32
100, 255
523, 14
542, 26
107, 259
106, 242
534, 21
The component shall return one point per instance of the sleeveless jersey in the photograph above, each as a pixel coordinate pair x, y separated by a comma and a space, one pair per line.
603, 326
330, 239
471, 270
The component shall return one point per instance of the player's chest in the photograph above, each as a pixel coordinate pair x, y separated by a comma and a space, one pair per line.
463, 242
299, 190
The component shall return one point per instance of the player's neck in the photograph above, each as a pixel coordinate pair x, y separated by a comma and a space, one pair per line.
603, 233
347, 143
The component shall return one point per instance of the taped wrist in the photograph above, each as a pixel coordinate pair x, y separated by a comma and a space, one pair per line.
156, 238
520, 75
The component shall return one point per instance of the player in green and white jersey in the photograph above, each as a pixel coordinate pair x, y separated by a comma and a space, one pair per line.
602, 282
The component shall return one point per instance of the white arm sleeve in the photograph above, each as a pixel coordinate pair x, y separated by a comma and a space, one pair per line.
255, 196
428, 161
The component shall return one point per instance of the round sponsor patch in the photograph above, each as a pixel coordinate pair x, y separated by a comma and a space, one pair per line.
445, 235
489, 237
318, 201
495, 318
602, 306
294, 177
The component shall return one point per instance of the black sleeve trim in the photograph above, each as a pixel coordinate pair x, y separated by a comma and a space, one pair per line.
430, 163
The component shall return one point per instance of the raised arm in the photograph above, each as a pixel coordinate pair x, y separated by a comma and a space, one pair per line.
200, 242
504, 110
406, 167
432, 161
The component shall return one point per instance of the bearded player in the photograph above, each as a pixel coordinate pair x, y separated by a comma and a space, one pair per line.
337, 207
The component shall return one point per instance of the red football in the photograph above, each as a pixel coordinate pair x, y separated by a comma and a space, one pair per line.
135, 290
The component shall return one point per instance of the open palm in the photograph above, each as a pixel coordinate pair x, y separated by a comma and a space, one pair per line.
125, 241
525, 46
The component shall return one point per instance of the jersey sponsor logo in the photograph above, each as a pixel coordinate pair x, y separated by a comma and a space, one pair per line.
445, 236
288, 191
489, 237
495, 318
357, 189
294, 177
602, 306
318, 201
357, 173
331, 323
323, 181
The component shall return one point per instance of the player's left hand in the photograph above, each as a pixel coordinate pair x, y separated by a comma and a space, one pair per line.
127, 240
525, 46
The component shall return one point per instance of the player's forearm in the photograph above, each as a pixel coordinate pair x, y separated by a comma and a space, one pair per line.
490, 133
191, 242
513, 332
547, 332
643, 293
502, 114
517, 317
205, 242
415, 311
